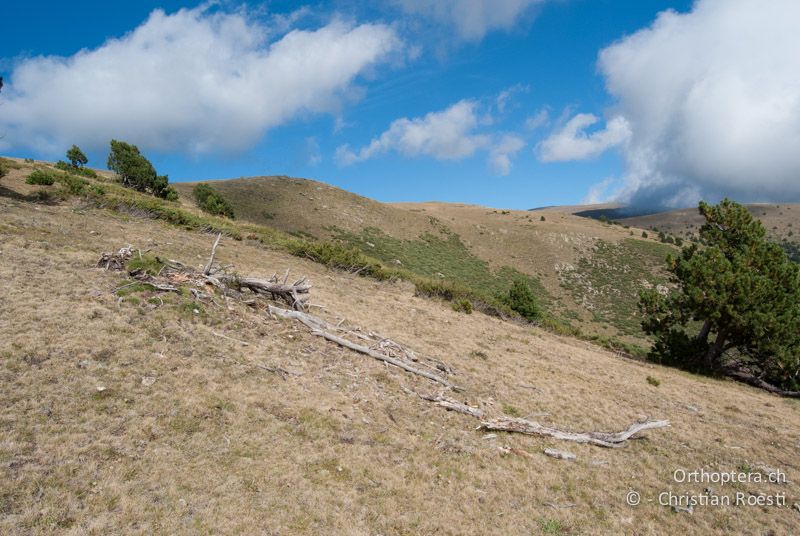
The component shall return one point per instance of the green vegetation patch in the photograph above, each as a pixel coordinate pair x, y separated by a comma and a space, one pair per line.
147, 263
41, 177
609, 281
211, 201
452, 270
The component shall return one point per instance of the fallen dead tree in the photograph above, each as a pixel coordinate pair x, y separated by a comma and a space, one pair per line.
746, 377
454, 405
322, 329
173, 274
601, 439
296, 295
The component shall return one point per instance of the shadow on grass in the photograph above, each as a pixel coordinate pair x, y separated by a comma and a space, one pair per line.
42, 197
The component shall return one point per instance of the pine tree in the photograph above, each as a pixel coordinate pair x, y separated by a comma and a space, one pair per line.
744, 294
135, 171
76, 157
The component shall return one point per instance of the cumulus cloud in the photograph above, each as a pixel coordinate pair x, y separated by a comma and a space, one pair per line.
450, 134
712, 98
572, 142
444, 135
194, 81
471, 19
502, 152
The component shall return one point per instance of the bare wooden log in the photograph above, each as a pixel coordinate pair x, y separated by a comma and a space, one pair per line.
749, 379
207, 269
319, 327
601, 439
453, 405
295, 295
560, 454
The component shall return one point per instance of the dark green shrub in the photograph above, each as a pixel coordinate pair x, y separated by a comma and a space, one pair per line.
72, 184
211, 201
40, 176
135, 171
522, 300
69, 168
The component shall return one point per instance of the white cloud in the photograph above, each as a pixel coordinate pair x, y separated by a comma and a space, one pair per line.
597, 192
472, 19
506, 98
193, 81
445, 135
450, 134
501, 153
538, 120
572, 142
713, 101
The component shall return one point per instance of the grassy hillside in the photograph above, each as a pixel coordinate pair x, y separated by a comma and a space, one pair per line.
782, 222
466, 245
128, 411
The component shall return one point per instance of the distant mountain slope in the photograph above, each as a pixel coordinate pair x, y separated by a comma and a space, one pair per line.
307, 206
782, 221
559, 253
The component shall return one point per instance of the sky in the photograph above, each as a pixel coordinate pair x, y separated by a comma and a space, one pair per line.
505, 103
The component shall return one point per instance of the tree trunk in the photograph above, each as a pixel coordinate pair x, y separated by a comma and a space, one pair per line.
715, 351
703, 335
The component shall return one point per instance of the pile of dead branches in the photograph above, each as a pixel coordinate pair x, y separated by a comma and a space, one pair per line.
174, 274
117, 260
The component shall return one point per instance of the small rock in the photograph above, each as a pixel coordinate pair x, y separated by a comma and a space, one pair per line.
561, 455
796, 506
688, 509
195, 311
490, 436
693, 408
147, 381
101, 388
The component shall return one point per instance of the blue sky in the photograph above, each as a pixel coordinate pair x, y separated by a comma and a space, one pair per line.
502, 103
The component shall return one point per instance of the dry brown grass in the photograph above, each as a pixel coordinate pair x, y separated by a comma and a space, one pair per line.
218, 445
781, 221
545, 250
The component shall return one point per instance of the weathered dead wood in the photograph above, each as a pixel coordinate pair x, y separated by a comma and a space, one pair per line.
749, 379
453, 405
295, 294
321, 328
115, 261
207, 269
560, 454
601, 439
